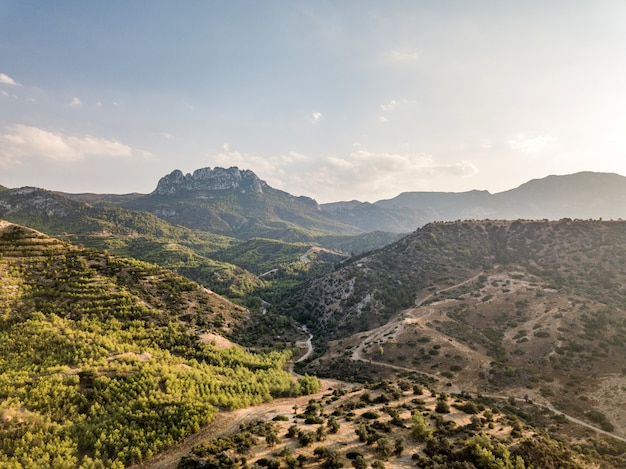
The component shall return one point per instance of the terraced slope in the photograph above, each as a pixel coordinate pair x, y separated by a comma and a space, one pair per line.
105, 361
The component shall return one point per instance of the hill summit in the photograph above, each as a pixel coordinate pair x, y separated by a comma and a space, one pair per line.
207, 179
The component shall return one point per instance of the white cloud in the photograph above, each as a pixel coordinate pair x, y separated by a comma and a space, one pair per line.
316, 116
7, 94
7, 80
404, 56
389, 106
532, 145
370, 175
361, 174
392, 105
273, 169
75, 103
21, 141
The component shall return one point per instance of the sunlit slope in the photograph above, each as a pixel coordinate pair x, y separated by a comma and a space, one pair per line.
109, 359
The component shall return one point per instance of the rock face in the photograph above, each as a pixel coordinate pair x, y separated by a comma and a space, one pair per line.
207, 179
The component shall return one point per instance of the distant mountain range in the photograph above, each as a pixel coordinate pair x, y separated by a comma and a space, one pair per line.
237, 204
582, 195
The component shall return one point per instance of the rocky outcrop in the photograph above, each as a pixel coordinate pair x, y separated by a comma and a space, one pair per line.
34, 201
207, 179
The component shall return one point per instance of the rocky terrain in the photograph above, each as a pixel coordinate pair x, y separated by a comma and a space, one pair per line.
527, 309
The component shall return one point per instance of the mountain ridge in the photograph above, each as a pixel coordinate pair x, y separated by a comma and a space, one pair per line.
584, 195
237, 203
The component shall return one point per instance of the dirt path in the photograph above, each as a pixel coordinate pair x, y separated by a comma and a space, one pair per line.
309, 345
395, 324
572, 419
419, 312
228, 422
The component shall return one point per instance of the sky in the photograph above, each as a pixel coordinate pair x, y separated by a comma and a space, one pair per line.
345, 100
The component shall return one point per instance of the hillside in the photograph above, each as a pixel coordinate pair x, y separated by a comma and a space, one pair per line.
124, 232
106, 360
397, 424
529, 308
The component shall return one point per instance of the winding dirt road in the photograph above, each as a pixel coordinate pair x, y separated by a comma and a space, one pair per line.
375, 335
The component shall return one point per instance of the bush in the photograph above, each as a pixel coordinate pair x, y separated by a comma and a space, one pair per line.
442, 407
370, 415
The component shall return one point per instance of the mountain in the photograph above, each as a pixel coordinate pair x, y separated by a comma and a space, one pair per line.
525, 308
581, 195
136, 234
237, 203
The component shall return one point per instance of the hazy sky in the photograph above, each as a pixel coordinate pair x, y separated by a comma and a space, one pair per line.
336, 100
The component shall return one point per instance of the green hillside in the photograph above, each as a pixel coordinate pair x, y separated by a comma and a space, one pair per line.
106, 361
136, 234
244, 214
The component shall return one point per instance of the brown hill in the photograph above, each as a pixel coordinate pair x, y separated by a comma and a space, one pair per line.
528, 308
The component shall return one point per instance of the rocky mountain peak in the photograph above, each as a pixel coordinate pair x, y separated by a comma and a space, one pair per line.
207, 179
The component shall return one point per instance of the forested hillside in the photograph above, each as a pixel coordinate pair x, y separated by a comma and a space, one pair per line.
105, 361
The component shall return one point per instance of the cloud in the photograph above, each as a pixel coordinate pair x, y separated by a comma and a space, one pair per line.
316, 116
367, 165
7, 80
273, 169
404, 56
371, 175
21, 141
8, 95
532, 145
75, 103
391, 106
361, 174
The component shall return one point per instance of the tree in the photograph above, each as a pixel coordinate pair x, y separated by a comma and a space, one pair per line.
332, 460
333, 424
442, 407
398, 446
384, 448
359, 462
419, 427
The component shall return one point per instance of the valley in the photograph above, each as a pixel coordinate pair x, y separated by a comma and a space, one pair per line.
155, 336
